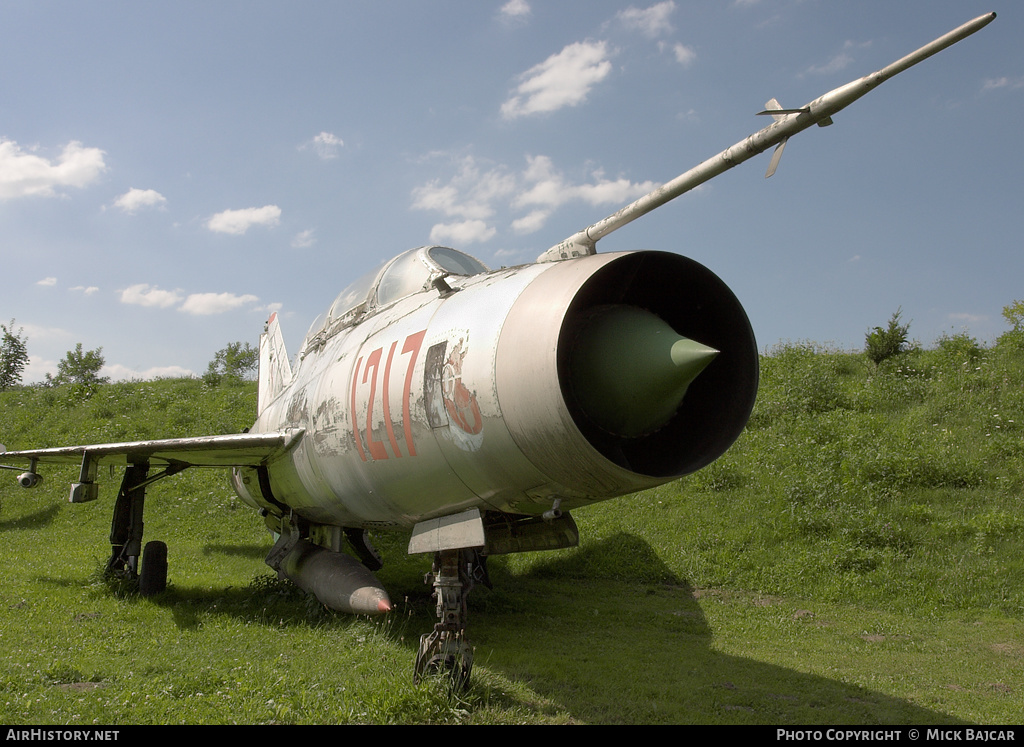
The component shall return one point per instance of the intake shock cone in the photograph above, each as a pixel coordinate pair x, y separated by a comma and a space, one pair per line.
630, 370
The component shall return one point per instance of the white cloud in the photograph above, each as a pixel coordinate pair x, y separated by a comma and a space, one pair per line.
303, 239
840, 61
145, 295
608, 192
534, 221
199, 304
37, 333
684, 55
469, 194
118, 372
476, 195
837, 63
515, 11
548, 189
47, 282
435, 196
461, 233
86, 291
563, 79
690, 116
25, 174
135, 199
237, 222
326, 145
37, 368
652, 22
203, 304
37, 336
992, 84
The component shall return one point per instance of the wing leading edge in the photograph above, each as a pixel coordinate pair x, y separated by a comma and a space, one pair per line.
172, 454
234, 450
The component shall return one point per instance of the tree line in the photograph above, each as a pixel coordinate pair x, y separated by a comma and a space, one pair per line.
80, 367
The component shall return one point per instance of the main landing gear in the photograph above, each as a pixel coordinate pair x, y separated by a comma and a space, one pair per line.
446, 650
126, 533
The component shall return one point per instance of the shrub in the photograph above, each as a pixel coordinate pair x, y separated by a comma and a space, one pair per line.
882, 344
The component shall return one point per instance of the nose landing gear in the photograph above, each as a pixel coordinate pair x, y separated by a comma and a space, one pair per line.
446, 650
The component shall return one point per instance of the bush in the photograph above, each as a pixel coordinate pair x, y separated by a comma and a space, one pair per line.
882, 344
959, 347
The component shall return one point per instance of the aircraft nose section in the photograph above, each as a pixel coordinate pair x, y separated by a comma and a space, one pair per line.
630, 370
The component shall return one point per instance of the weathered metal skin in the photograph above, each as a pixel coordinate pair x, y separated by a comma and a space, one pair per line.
453, 401
442, 387
373, 455
474, 407
582, 462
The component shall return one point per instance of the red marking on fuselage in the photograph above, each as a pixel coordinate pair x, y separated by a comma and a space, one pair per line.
458, 400
386, 397
376, 448
412, 345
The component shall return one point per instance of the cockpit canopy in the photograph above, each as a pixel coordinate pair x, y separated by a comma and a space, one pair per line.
406, 274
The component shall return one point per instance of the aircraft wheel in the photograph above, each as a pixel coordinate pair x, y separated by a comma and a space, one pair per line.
452, 667
153, 578
447, 655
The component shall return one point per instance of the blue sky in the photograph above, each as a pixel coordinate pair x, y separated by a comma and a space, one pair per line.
170, 173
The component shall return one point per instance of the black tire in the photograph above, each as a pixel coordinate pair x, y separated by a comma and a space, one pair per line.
153, 578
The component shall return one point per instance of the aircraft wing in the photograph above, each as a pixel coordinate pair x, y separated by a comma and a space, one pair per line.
234, 450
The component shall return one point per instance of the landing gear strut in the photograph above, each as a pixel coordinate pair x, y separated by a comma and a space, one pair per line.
446, 649
126, 527
126, 532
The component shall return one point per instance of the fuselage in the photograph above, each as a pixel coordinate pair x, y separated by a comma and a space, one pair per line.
458, 395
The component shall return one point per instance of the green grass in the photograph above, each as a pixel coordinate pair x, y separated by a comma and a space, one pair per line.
856, 558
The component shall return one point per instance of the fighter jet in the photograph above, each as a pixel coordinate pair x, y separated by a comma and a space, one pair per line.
474, 409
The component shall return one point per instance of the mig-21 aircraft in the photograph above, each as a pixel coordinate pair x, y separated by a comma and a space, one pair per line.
474, 408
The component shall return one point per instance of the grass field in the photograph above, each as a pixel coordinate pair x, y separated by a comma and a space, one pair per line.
856, 558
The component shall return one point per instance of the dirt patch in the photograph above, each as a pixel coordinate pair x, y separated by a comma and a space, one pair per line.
1015, 650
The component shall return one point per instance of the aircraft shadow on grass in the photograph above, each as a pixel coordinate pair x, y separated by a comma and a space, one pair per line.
36, 520
522, 632
669, 656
